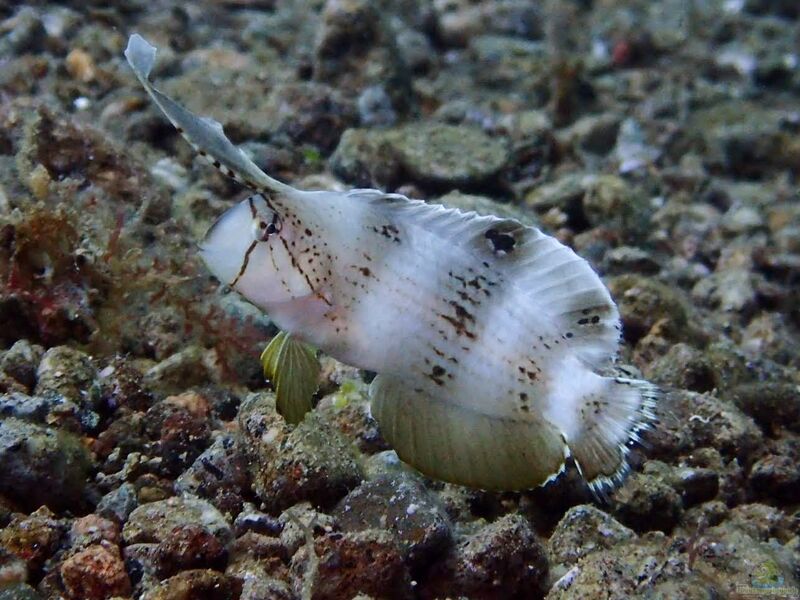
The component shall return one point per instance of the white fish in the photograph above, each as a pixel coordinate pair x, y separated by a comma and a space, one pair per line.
487, 336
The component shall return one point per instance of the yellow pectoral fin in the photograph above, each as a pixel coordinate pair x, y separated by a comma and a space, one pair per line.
293, 369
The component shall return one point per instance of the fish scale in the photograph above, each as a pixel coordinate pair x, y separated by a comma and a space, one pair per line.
487, 336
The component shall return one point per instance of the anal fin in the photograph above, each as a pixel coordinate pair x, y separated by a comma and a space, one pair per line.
453, 443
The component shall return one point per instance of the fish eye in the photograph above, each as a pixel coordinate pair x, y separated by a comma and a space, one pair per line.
263, 228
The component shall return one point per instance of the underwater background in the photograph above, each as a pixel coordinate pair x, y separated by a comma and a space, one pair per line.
141, 454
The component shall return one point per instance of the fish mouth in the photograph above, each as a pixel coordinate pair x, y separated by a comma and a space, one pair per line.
228, 243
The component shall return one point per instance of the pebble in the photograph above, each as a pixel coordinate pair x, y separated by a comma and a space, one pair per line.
96, 573
504, 559
189, 547
310, 462
20, 362
69, 372
35, 460
197, 583
582, 530
155, 522
368, 562
430, 154
33, 538
401, 505
218, 475
646, 503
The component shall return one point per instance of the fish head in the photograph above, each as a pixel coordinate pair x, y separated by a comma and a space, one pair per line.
243, 250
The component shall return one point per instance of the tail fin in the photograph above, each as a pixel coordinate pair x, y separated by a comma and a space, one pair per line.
204, 134
611, 417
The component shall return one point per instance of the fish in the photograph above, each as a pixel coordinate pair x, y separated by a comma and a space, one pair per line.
494, 344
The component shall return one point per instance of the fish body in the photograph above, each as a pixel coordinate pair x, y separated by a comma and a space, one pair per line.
487, 335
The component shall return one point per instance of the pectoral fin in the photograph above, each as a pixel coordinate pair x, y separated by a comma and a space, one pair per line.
293, 369
447, 441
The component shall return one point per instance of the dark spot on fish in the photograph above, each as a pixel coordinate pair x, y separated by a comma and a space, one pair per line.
365, 271
436, 375
595, 319
390, 232
568, 335
501, 242
461, 312
308, 232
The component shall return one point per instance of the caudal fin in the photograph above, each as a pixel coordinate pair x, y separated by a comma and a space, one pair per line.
204, 134
610, 419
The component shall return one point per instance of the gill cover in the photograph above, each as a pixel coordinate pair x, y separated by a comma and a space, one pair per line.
230, 242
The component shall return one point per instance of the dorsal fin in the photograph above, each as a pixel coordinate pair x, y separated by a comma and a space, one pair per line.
204, 134
561, 283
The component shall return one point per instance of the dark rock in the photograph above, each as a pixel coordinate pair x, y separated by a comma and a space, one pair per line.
189, 547
250, 519
348, 411
773, 405
36, 460
646, 503
200, 583
596, 134
219, 475
260, 556
310, 113
402, 506
295, 520
643, 302
118, 504
33, 538
431, 154
154, 522
684, 367
23, 33
776, 478
21, 361
690, 421
365, 159
696, 485
583, 530
312, 461
504, 559
181, 425
121, 386
356, 51
368, 562
439, 155
70, 373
